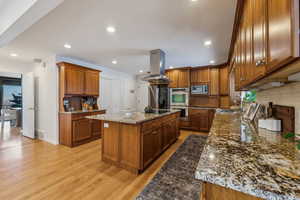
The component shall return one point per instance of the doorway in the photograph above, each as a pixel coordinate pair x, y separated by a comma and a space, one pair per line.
13, 124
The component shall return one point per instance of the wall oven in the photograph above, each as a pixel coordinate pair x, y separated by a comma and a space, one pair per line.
184, 111
179, 97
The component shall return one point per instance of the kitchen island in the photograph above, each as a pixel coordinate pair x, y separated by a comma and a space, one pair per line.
241, 162
134, 140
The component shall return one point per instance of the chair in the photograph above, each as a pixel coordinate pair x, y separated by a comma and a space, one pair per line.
8, 114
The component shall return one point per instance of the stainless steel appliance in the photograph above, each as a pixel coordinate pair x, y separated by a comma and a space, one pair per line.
159, 96
179, 97
200, 89
159, 93
157, 68
184, 111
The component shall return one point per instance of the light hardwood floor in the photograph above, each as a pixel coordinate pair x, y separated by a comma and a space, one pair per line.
38, 170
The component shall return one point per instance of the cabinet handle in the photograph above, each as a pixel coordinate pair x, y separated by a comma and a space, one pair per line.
260, 62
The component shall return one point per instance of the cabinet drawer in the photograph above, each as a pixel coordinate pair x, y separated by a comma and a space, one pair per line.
147, 126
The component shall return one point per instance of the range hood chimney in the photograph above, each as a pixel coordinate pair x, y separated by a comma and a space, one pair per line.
157, 68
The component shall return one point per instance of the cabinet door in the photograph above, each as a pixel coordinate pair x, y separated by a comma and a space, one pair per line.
199, 119
81, 130
96, 128
92, 83
224, 81
248, 26
173, 76
111, 137
183, 79
151, 146
74, 81
259, 12
280, 30
214, 81
165, 136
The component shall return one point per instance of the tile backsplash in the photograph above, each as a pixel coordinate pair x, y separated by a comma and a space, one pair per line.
288, 95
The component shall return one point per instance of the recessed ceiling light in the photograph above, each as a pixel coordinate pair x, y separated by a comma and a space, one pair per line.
171, 67
13, 55
114, 62
67, 46
194, 0
141, 71
212, 62
111, 29
207, 43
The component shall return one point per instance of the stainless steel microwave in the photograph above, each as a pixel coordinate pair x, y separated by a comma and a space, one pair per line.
201, 89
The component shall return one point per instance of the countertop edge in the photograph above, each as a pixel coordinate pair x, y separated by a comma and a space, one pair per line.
136, 122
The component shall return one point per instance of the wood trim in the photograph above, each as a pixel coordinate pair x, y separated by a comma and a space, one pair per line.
180, 68
62, 64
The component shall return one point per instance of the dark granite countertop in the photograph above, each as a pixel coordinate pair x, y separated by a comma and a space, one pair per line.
131, 117
256, 162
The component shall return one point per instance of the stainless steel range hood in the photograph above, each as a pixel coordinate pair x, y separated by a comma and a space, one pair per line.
157, 68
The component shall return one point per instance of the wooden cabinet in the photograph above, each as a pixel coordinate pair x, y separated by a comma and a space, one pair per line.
135, 146
198, 120
280, 43
179, 78
96, 128
173, 77
199, 75
224, 81
169, 133
81, 130
75, 129
259, 13
92, 83
214, 81
267, 39
151, 145
74, 81
77, 80
111, 135
184, 78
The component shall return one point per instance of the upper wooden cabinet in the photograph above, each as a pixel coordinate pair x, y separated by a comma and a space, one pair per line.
78, 80
92, 83
259, 14
224, 81
267, 39
281, 18
199, 75
74, 81
179, 78
214, 81
184, 78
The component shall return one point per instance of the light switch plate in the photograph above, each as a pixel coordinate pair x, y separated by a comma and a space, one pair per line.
106, 125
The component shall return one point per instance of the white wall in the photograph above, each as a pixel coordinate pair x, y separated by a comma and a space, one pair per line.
46, 99
15, 66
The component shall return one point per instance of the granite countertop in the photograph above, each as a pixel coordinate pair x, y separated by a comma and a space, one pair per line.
82, 111
256, 162
134, 118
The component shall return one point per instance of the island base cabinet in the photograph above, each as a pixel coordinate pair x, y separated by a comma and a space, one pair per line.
214, 192
135, 146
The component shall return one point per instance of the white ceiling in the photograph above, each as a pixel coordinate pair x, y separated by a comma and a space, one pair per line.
179, 27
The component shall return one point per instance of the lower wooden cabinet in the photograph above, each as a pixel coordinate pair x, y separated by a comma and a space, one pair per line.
151, 145
96, 128
81, 130
198, 120
75, 129
135, 146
